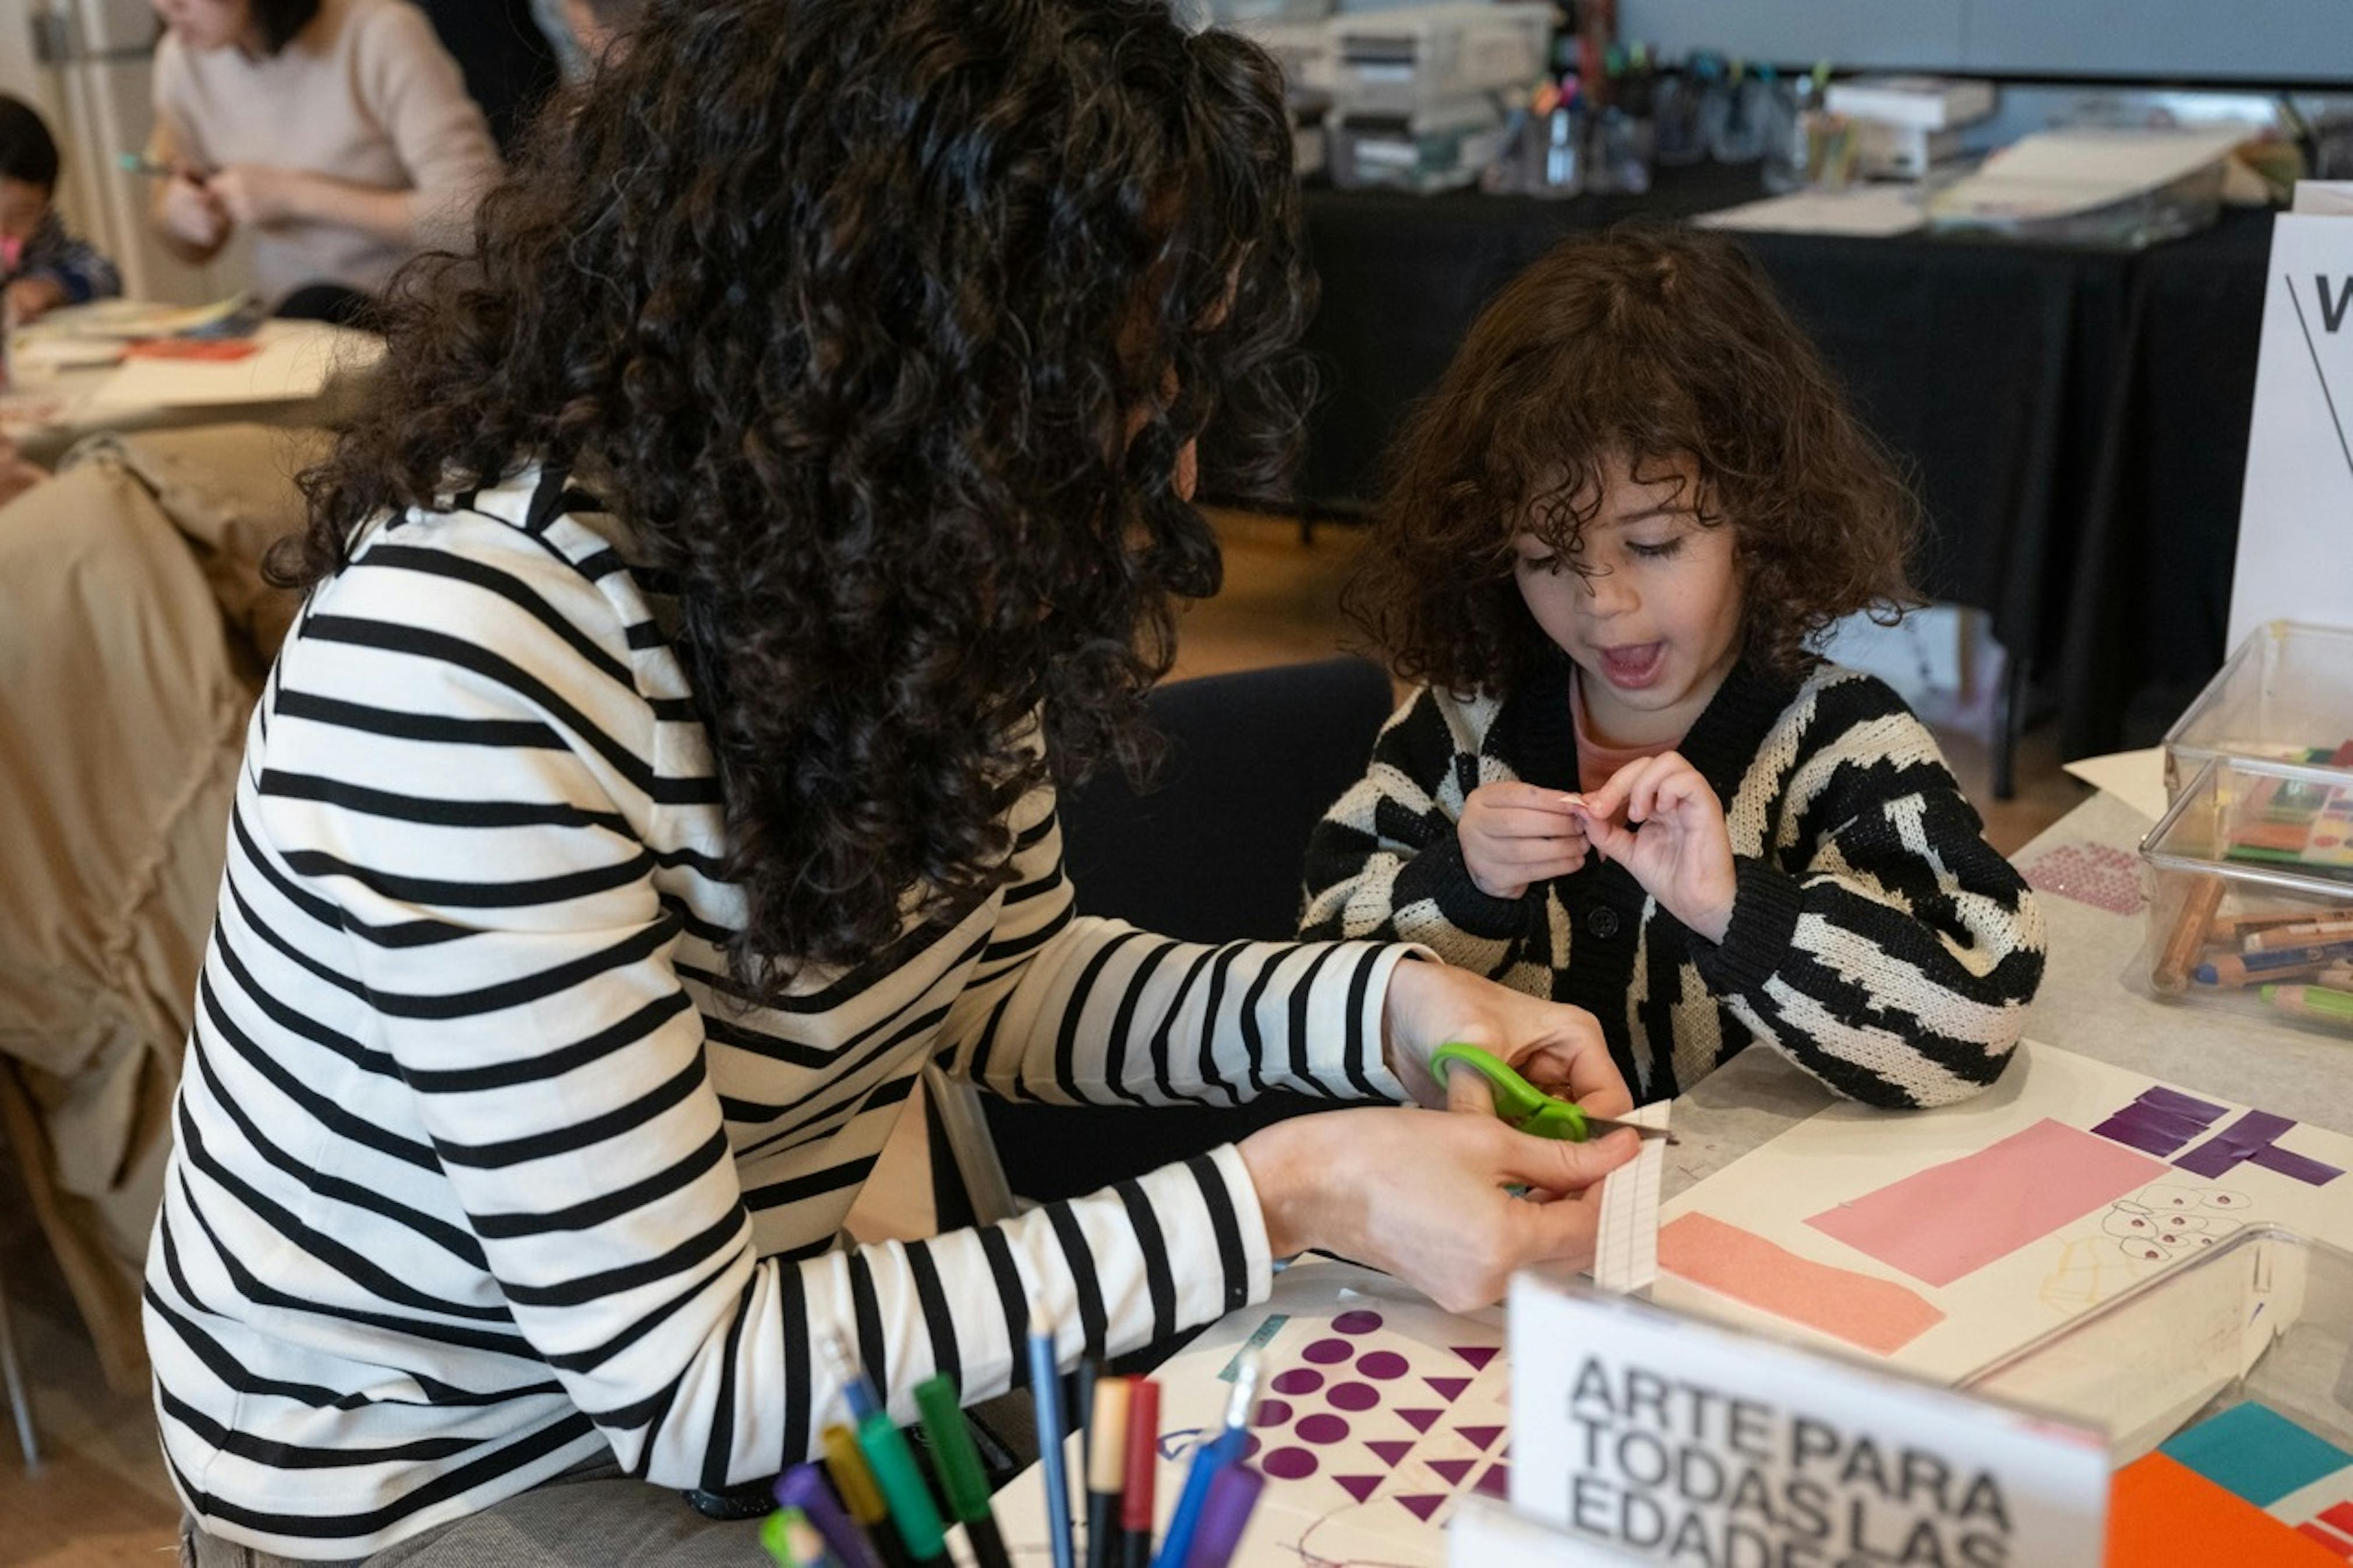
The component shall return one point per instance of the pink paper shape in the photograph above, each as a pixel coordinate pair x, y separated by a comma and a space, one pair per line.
1452, 1471
1953, 1218
1359, 1486
1878, 1315
1477, 1355
1480, 1436
1423, 1507
1450, 1389
1421, 1420
1389, 1451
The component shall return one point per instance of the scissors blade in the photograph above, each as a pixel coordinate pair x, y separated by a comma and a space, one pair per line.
1602, 1127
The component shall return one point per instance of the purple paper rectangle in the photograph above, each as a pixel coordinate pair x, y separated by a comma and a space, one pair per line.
2158, 1097
2235, 1144
2159, 1121
2287, 1163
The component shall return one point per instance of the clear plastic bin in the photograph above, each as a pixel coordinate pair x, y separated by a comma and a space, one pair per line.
2263, 1314
2250, 881
1441, 151
1413, 59
2287, 692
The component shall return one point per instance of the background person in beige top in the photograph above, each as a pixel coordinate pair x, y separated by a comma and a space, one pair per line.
339, 130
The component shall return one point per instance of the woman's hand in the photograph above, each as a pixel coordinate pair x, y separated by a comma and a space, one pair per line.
1558, 1048
192, 214
1515, 835
1673, 839
261, 195
1420, 1195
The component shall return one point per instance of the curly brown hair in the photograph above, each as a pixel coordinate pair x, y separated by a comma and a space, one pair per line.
881, 328
1662, 347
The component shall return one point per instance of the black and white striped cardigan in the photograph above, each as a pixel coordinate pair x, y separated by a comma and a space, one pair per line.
1876, 939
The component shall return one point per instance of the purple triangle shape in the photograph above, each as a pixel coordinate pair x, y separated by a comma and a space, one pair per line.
1496, 1483
1423, 1507
1359, 1486
1450, 1389
1477, 1355
1389, 1451
1453, 1470
1480, 1436
1423, 1420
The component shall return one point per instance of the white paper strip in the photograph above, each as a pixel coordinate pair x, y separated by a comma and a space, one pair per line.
1626, 1256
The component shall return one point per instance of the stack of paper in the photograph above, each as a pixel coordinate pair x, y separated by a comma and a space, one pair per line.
2094, 185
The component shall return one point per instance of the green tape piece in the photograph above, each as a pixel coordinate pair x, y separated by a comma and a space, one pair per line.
1256, 1341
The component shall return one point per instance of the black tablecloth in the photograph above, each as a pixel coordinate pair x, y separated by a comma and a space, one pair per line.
2076, 419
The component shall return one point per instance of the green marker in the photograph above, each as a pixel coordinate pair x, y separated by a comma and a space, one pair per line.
961, 1475
1527, 1107
894, 1463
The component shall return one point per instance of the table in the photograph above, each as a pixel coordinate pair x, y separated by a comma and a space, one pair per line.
2086, 1007
306, 373
2076, 419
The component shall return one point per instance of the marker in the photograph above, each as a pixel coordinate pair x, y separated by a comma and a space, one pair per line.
911, 1509
2245, 969
856, 1391
1046, 1393
803, 1487
2316, 1003
861, 1495
1106, 1472
794, 1542
1232, 1496
961, 1477
1225, 1449
1136, 1498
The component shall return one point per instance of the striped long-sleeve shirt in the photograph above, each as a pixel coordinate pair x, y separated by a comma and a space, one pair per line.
481, 1171
1876, 939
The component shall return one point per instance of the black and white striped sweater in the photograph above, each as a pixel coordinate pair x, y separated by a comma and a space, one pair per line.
479, 1172
1876, 939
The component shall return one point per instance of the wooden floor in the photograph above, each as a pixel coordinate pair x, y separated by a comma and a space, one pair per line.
101, 1501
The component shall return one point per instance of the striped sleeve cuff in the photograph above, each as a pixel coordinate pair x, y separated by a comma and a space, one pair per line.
1345, 1029
1440, 874
1764, 910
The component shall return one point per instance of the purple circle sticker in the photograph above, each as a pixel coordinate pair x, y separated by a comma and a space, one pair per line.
1382, 1365
1322, 1428
1356, 1322
1270, 1412
1250, 1445
1297, 1381
1289, 1464
1329, 1353
1354, 1395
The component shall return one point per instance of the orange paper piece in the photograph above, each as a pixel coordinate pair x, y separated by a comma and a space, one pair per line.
2162, 1514
217, 350
1876, 1315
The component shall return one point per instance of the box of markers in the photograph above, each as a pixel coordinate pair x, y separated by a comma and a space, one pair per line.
2285, 695
2249, 883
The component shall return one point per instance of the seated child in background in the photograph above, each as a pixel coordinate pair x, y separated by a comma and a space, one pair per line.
41, 265
1627, 781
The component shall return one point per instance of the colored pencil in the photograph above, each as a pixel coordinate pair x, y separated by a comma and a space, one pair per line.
2317, 1002
2172, 974
1045, 1393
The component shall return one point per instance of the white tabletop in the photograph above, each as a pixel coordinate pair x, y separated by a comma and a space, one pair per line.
299, 375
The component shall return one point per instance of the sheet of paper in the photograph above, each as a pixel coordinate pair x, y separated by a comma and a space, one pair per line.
1851, 1158
1872, 211
1381, 1415
2135, 778
1871, 1314
1626, 1251
296, 361
2053, 173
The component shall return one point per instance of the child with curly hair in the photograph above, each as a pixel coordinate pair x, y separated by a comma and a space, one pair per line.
1629, 781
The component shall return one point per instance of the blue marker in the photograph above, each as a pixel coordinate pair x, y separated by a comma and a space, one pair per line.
855, 1391
1045, 1391
1212, 1456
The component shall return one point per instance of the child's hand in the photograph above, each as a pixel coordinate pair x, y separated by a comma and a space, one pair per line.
1672, 837
1515, 835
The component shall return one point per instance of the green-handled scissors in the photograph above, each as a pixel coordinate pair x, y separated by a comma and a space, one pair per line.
1527, 1107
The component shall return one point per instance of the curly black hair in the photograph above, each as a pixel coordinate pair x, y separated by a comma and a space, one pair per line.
881, 327
1665, 348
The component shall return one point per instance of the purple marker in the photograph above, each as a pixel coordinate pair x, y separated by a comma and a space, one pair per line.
1224, 1517
803, 1487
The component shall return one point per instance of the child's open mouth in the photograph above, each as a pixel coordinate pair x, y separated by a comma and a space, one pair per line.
1635, 666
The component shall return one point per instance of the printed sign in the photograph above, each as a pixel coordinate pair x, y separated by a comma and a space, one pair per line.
1667, 1439
2296, 513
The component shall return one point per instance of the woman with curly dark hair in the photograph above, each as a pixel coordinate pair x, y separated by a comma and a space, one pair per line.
1611, 542
790, 484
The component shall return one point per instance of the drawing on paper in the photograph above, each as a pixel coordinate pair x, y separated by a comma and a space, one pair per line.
2138, 1236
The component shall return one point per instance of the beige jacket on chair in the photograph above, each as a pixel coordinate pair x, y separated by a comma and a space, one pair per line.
134, 630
